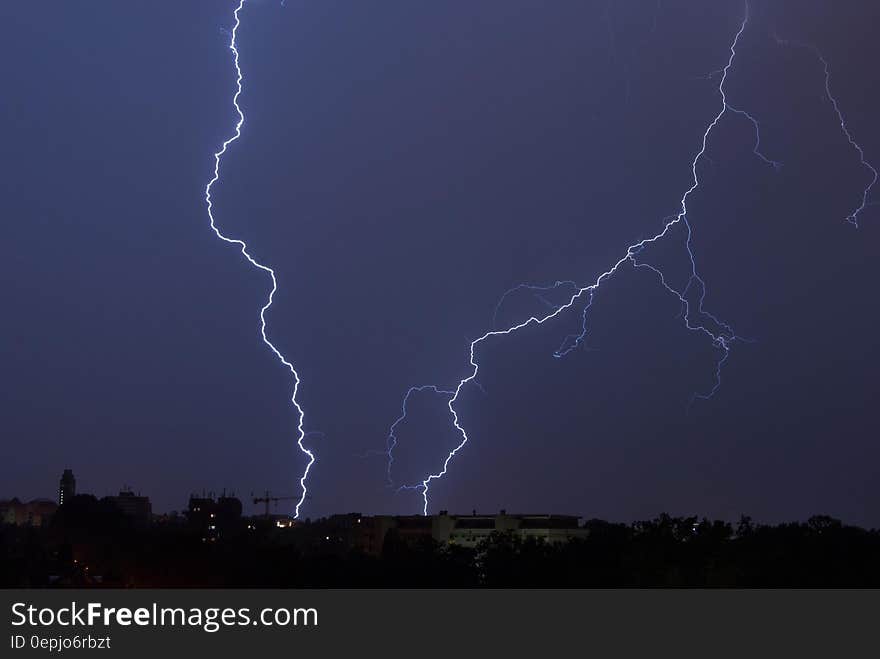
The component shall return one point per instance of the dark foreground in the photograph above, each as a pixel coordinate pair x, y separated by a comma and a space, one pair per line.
93, 546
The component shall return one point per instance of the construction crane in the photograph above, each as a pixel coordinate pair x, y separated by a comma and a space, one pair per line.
267, 498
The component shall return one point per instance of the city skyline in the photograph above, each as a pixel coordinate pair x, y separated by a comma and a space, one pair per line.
400, 168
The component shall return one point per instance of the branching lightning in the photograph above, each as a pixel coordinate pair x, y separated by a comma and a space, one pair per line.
392, 437
537, 290
853, 217
691, 296
244, 251
775, 164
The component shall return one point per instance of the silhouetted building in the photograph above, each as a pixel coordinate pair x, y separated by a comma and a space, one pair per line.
133, 506
67, 487
464, 530
228, 509
413, 528
470, 530
340, 530
214, 518
372, 531
33, 513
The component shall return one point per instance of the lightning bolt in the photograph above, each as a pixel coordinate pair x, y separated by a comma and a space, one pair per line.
775, 164
853, 217
537, 290
691, 297
244, 252
392, 436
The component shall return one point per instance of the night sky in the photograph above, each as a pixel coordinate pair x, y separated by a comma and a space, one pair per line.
402, 164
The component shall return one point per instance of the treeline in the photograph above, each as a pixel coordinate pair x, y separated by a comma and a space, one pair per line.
103, 550
663, 552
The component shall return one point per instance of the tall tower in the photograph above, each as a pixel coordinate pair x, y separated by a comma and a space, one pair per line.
67, 487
